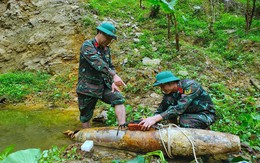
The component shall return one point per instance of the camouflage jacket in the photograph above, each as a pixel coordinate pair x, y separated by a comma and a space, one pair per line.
95, 69
191, 98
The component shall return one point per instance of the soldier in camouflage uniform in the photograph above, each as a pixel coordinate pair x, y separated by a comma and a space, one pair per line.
183, 98
97, 78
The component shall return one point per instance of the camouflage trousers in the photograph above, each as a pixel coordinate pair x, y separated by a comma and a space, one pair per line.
87, 103
200, 120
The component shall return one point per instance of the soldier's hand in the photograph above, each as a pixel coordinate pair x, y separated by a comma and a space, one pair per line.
115, 87
148, 122
118, 81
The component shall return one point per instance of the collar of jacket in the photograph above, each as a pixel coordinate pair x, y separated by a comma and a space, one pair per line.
180, 87
95, 43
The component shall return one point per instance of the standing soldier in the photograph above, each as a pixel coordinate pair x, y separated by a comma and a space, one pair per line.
97, 78
183, 98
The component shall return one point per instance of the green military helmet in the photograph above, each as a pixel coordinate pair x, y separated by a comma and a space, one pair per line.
108, 28
165, 77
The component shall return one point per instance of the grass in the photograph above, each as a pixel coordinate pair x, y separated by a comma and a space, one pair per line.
18, 86
131, 112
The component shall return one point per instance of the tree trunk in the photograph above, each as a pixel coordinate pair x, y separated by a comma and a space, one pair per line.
176, 33
252, 14
141, 4
169, 25
154, 11
212, 20
248, 15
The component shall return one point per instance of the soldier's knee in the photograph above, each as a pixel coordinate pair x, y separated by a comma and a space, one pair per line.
118, 102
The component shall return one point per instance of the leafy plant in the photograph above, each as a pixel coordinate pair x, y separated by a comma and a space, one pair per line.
236, 115
6, 152
31, 155
56, 154
156, 153
147, 158
169, 9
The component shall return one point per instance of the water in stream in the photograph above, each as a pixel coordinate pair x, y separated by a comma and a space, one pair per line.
37, 127
33, 127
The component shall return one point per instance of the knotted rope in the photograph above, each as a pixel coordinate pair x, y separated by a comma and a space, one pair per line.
168, 149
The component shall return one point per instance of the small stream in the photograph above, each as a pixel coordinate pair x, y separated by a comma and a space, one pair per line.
38, 127
33, 127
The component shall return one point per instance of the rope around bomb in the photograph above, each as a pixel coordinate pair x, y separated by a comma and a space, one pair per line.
134, 126
168, 149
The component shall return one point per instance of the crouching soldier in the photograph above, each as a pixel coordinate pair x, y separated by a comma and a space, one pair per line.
185, 99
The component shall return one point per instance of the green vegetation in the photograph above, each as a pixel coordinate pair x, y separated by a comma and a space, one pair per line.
6, 152
237, 114
55, 154
222, 60
18, 86
28, 155
147, 158
226, 50
132, 114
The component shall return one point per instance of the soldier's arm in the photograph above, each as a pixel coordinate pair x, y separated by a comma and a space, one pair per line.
166, 102
190, 93
158, 111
